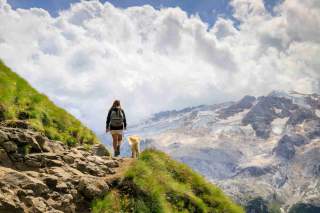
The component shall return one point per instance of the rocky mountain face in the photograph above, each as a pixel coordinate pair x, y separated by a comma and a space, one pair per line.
264, 147
41, 175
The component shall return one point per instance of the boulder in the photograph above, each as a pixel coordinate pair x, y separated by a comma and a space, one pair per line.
100, 150
92, 187
37, 204
3, 137
49, 146
10, 146
31, 141
4, 159
62, 187
9, 204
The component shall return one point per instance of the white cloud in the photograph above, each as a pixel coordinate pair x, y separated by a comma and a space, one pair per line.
158, 59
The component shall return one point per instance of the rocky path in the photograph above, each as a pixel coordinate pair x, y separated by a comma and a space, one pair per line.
40, 175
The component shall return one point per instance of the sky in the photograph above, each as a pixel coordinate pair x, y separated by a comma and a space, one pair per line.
160, 55
208, 10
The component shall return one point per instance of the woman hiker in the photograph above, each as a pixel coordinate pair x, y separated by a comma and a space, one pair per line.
116, 123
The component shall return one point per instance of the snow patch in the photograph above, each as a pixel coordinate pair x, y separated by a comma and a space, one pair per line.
318, 113
277, 110
278, 125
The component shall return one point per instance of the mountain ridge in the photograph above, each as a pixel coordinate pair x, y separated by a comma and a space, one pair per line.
263, 146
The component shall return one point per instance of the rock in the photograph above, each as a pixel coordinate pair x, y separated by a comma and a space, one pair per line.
312, 129
100, 150
16, 157
37, 204
10, 146
51, 163
255, 171
245, 103
3, 137
316, 170
68, 159
50, 180
2, 113
4, 159
7, 205
286, 145
33, 163
93, 187
263, 113
51, 177
36, 186
14, 137
285, 150
300, 115
112, 163
16, 124
62, 187
35, 147
49, 146
297, 140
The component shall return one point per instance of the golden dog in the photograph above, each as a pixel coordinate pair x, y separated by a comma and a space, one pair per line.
134, 142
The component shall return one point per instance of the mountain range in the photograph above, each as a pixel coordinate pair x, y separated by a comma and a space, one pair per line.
262, 151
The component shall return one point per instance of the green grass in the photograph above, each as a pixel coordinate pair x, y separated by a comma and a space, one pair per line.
19, 101
156, 183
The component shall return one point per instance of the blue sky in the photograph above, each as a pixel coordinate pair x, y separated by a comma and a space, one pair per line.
208, 10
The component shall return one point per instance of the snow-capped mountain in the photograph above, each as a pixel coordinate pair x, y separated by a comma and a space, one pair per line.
266, 146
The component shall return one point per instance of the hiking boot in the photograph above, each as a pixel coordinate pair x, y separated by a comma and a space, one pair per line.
117, 151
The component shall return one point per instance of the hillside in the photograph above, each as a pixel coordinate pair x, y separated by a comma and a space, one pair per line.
261, 151
19, 101
41, 175
49, 162
156, 183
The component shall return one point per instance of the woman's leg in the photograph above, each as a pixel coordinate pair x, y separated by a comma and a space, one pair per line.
115, 143
119, 139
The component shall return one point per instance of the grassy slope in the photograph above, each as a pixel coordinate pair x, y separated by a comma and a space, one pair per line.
18, 100
156, 183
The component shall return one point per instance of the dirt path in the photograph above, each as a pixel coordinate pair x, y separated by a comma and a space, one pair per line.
119, 171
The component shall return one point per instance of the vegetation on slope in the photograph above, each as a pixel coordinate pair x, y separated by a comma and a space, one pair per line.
156, 183
19, 101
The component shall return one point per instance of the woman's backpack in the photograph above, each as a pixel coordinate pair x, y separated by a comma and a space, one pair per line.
116, 118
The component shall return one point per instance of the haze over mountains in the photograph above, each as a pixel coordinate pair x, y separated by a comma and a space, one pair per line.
266, 146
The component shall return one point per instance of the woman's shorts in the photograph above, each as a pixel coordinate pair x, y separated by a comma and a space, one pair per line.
116, 132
